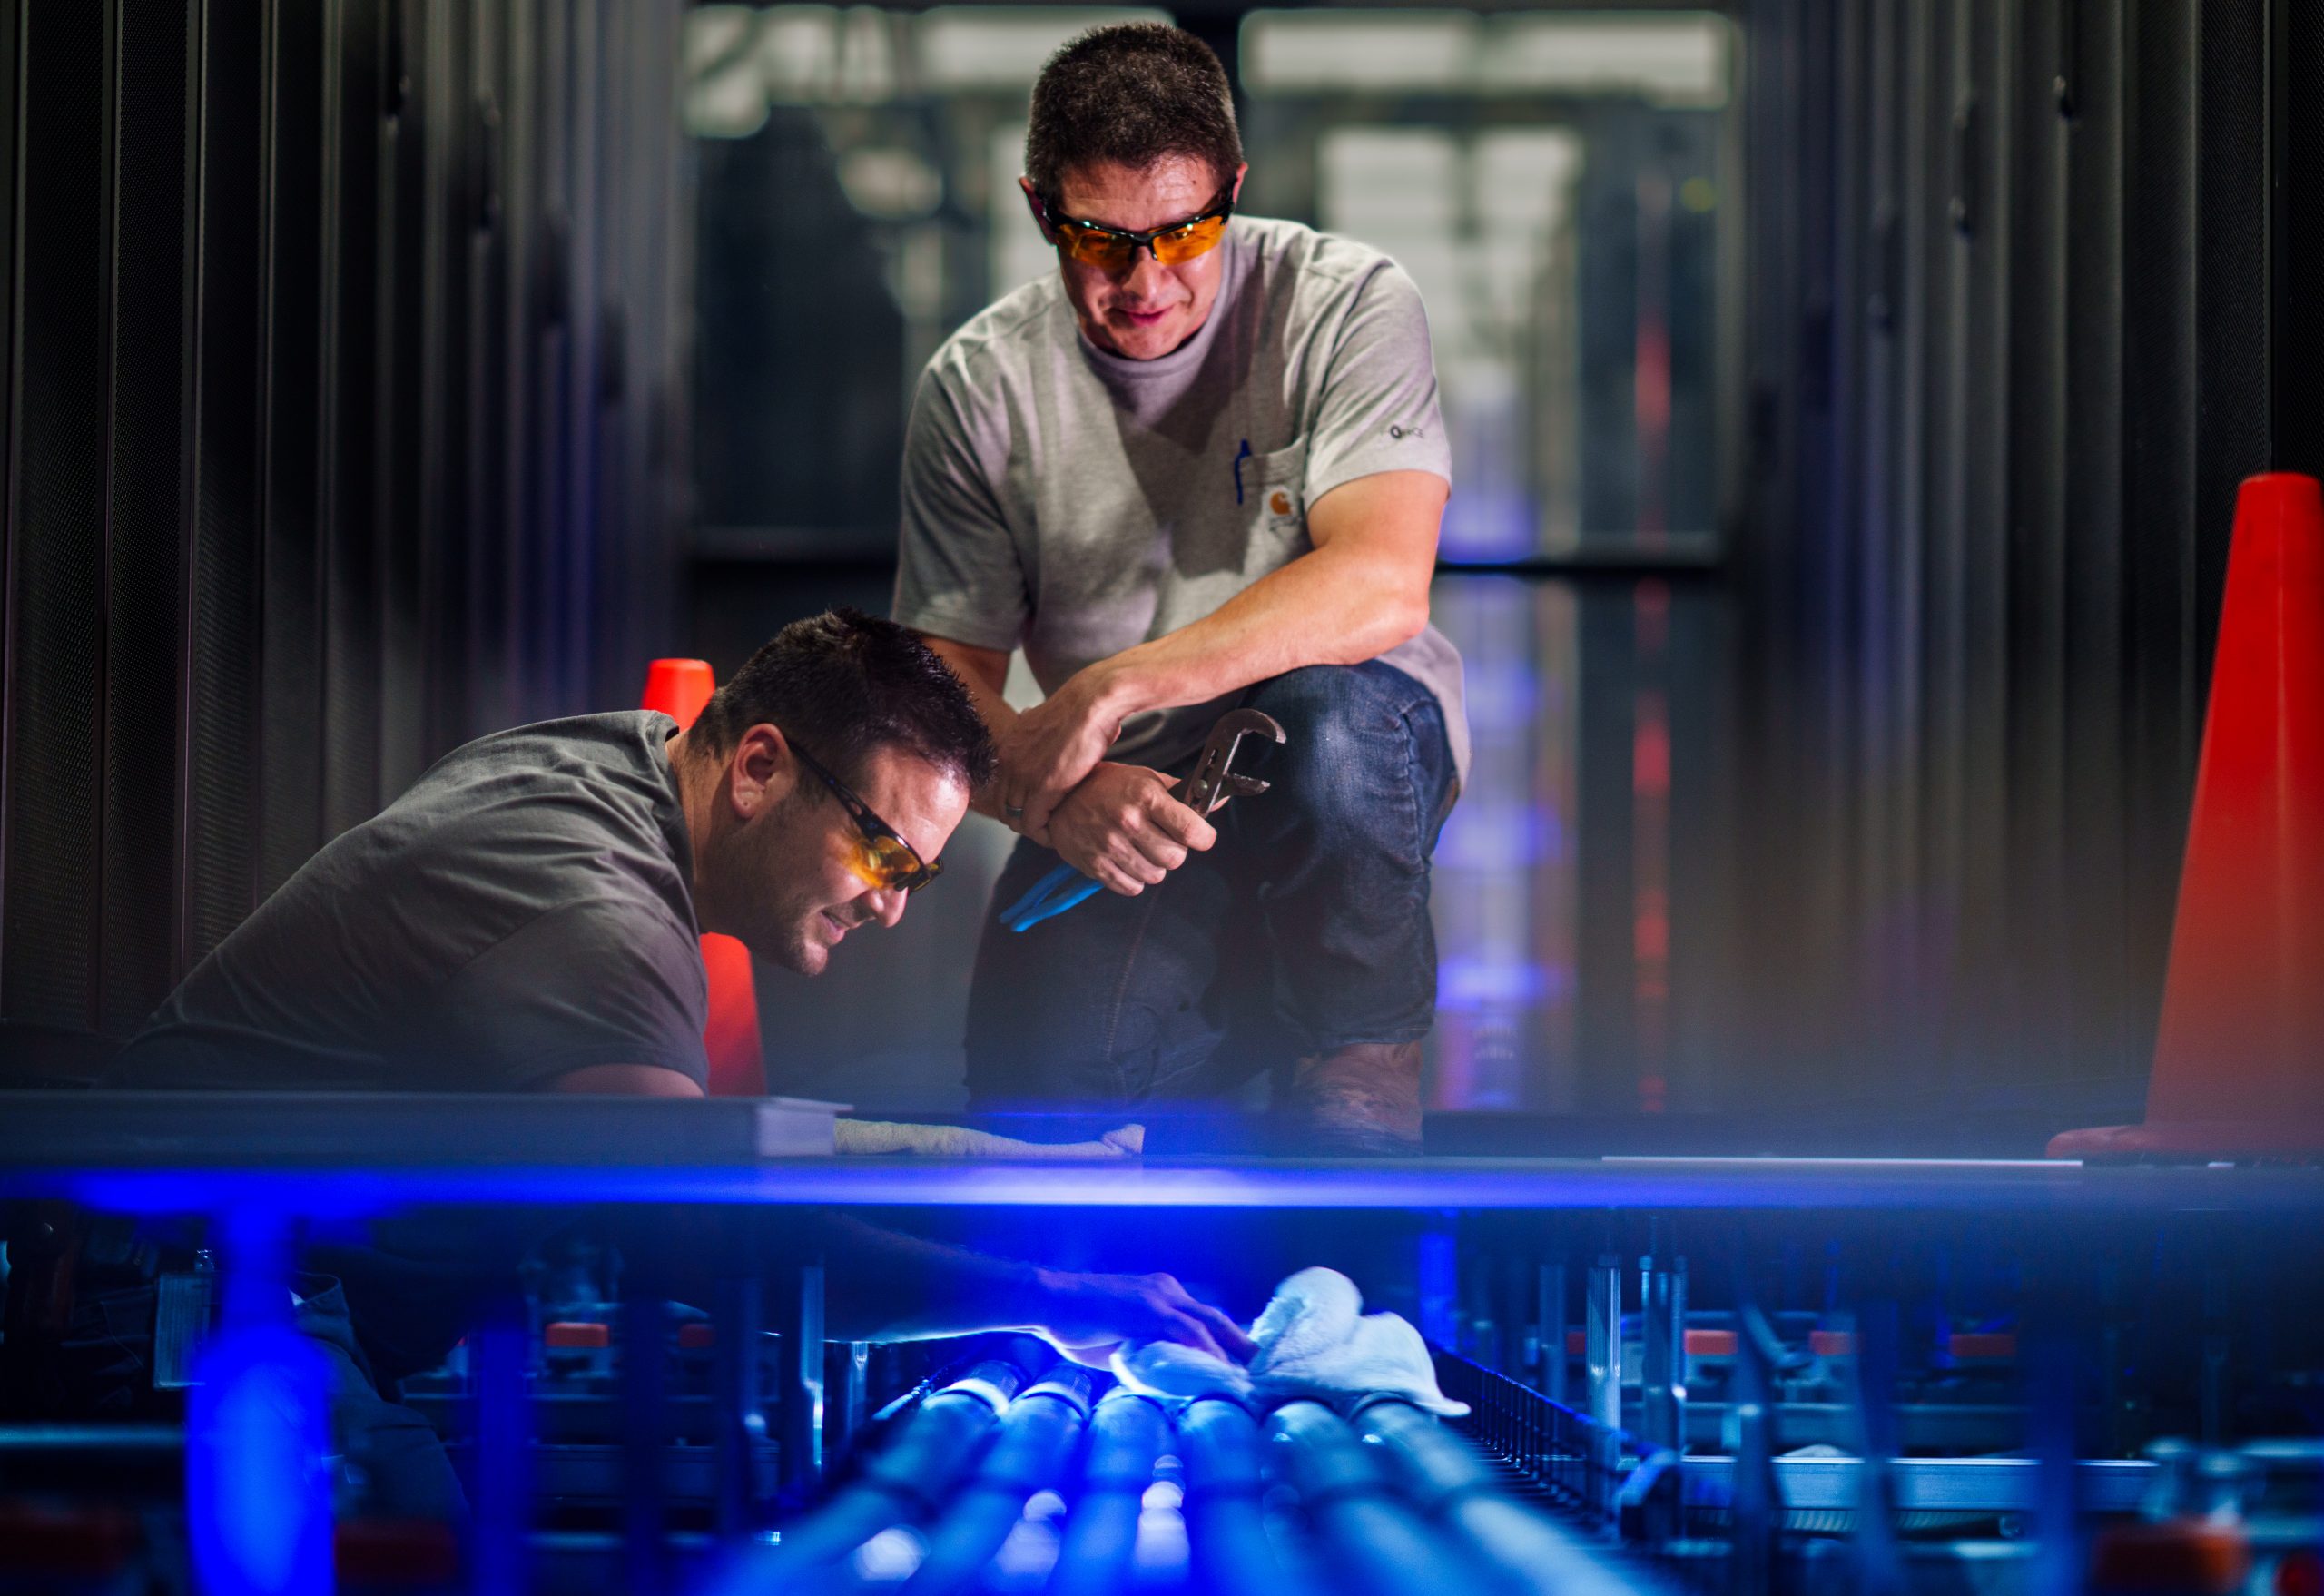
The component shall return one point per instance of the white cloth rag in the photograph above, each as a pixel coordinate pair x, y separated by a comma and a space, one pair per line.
1314, 1340
958, 1141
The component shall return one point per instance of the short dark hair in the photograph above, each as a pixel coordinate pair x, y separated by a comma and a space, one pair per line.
845, 684
1130, 93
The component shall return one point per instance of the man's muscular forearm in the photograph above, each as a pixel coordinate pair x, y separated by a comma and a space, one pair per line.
1339, 604
985, 672
900, 1287
1359, 593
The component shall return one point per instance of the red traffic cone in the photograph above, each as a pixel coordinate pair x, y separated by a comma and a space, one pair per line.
679, 688
2238, 1064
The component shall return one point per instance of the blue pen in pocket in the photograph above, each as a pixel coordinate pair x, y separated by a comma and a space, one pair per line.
1243, 455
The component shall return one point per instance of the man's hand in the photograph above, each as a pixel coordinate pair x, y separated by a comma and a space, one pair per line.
1123, 826
1052, 748
1088, 1316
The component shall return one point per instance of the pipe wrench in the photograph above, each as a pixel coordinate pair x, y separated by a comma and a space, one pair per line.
1214, 781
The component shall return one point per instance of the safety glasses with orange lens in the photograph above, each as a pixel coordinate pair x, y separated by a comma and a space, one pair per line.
880, 858
1109, 249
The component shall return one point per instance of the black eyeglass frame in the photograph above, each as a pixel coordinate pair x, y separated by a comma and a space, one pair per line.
869, 826
1223, 208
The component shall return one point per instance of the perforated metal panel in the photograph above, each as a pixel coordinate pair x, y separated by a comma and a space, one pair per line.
289, 426
401, 355
2068, 246
445, 96
144, 624
290, 757
2106, 1021
2299, 72
2030, 667
224, 657
2234, 282
57, 525
2162, 714
349, 733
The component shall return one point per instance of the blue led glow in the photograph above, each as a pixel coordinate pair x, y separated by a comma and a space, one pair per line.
258, 1492
337, 1196
1440, 1288
1500, 838
1486, 521
1499, 695
1163, 1183
1466, 984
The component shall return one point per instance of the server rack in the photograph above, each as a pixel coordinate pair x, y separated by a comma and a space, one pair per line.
1682, 1371
2022, 277
343, 393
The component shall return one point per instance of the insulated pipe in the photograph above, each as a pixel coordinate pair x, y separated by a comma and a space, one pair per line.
645, 1431
1126, 1435
1448, 1480
1662, 1406
1549, 1320
1756, 1499
907, 1479
1662, 1370
1225, 1528
1030, 1451
1604, 1352
849, 1411
1365, 1534
741, 1415
798, 1382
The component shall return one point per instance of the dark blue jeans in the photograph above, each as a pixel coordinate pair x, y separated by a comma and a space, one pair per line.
1305, 929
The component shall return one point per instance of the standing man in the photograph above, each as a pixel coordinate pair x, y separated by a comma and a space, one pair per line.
1202, 466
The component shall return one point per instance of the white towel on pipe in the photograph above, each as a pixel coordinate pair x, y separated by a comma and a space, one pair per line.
1314, 1340
958, 1141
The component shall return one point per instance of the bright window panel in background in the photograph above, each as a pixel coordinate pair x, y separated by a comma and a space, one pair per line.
1504, 891
1673, 59
1482, 226
1552, 184
1681, 59
740, 59
973, 47
1335, 51
1020, 252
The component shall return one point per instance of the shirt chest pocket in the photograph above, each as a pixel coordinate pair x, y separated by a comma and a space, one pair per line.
1271, 504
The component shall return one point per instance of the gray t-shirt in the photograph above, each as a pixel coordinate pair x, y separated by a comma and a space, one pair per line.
527, 908
1077, 504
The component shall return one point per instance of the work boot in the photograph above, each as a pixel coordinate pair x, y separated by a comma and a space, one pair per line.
1359, 1101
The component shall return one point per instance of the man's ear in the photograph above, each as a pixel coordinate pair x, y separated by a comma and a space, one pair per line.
1235, 196
759, 773
1033, 204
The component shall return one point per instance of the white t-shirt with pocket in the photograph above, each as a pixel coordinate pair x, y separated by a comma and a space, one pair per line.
1076, 503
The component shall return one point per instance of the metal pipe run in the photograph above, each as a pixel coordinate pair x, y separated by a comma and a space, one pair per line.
1126, 1435
1030, 1451
1603, 1353
1454, 1486
1365, 1534
910, 1478
1226, 1524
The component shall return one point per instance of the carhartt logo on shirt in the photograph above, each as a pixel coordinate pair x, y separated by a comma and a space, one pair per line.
1279, 502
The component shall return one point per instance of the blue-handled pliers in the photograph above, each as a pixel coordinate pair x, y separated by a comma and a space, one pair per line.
1213, 783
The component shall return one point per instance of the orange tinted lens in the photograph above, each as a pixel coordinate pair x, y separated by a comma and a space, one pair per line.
885, 863
1106, 251
1196, 237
